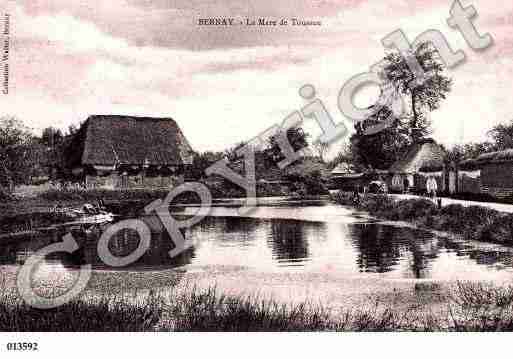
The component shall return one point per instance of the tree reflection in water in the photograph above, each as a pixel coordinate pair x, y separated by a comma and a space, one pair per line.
288, 241
381, 247
279, 243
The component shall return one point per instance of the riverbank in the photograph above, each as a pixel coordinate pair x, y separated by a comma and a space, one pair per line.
469, 222
426, 307
24, 215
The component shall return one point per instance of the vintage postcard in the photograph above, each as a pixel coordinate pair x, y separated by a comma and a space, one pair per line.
255, 166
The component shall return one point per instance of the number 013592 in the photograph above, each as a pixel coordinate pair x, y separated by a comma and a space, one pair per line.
20, 346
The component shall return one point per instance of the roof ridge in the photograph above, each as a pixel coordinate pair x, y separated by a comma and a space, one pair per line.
91, 117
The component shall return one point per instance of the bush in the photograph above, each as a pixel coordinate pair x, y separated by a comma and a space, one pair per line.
481, 307
377, 203
499, 230
466, 220
312, 183
473, 222
415, 208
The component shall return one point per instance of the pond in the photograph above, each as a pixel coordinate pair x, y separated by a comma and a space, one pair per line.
283, 236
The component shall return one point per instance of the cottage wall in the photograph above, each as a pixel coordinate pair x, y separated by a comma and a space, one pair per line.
396, 183
422, 177
469, 181
497, 179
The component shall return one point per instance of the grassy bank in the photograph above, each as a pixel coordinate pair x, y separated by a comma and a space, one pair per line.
472, 222
114, 313
467, 307
27, 222
24, 214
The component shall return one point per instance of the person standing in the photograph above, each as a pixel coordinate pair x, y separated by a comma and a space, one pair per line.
434, 186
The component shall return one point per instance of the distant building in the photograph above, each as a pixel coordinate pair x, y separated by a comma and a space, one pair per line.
424, 159
344, 177
129, 152
495, 171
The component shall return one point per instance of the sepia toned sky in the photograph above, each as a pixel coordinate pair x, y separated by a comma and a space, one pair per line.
70, 59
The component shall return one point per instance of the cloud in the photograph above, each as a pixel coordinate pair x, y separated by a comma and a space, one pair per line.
72, 59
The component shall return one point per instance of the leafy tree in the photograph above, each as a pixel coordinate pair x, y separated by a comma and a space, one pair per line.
201, 161
14, 167
502, 136
13, 132
297, 138
468, 151
426, 95
381, 149
52, 137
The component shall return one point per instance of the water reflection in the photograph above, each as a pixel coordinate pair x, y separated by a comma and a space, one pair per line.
382, 248
121, 244
378, 251
288, 239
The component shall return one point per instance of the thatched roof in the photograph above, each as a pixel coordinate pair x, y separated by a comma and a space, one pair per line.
468, 165
110, 140
496, 157
424, 155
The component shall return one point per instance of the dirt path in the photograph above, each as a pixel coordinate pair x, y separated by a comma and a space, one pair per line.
446, 201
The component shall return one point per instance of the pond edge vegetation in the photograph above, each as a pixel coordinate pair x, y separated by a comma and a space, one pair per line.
466, 306
470, 222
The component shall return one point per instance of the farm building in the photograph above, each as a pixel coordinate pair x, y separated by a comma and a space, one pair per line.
422, 161
129, 152
344, 178
496, 173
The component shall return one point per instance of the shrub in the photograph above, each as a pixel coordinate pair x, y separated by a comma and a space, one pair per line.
377, 203
313, 183
499, 230
415, 208
481, 307
466, 220
473, 222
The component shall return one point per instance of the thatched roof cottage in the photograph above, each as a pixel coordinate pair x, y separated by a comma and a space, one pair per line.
423, 159
129, 152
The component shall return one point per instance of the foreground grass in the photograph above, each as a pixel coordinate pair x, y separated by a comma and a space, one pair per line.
103, 313
469, 307
470, 222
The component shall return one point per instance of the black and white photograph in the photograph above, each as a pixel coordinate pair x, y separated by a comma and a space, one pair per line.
199, 166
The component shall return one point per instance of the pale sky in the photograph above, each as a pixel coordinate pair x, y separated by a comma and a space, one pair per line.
71, 59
